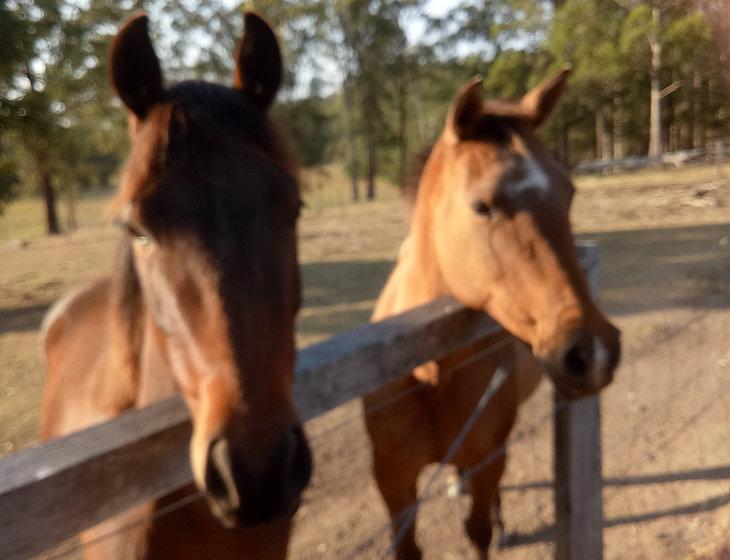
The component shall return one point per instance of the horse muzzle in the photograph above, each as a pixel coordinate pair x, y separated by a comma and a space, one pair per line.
241, 497
584, 363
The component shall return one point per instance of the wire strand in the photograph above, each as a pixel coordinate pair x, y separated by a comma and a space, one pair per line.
498, 379
156, 514
492, 456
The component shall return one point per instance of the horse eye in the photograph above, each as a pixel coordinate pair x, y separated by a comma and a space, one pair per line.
141, 238
138, 234
481, 208
134, 231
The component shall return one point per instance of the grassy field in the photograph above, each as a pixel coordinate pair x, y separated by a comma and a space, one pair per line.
323, 187
328, 186
653, 177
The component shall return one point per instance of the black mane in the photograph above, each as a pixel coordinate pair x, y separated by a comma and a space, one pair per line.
220, 114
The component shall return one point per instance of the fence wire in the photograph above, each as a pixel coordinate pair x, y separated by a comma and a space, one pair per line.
73, 547
659, 451
630, 443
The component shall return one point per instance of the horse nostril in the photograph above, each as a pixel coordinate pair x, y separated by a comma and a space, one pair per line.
219, 479
578, 359
240, 495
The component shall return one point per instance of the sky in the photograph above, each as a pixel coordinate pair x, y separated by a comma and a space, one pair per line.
414, 29
433, 8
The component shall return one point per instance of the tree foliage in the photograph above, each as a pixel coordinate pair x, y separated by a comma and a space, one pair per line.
361, 88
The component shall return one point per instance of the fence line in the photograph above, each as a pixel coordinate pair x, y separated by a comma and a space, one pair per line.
403, 393
46, 492
170, 508
156, 514
488, 459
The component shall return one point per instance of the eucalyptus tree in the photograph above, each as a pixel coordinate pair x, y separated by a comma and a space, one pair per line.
60, 83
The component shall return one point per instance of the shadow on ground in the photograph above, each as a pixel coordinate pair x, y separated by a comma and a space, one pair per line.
643, 270
339, 295
20, 319
545, 533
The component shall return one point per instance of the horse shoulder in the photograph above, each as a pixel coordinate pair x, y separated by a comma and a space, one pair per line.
67, 309
398, 294
73, 335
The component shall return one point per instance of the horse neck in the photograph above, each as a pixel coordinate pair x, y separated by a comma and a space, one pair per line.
420, 270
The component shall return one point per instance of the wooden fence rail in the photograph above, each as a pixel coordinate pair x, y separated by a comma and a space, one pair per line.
51, 492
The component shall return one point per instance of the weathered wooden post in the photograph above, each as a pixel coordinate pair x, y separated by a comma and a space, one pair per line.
577, 461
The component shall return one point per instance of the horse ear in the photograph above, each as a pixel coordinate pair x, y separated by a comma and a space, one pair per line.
466, 110
133, 66
258, 68
541, 100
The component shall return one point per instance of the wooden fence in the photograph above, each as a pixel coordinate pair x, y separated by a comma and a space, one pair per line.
51, 492
716, 152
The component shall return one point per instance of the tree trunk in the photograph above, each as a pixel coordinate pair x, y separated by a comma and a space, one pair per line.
71, 222
699, 114
402, 135
369, 116
705, 96
618, 129
671, 136
49, 194
603, 136
422, 126
372, 163
351, 140
655, 109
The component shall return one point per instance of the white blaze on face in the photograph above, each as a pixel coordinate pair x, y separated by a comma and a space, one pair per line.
534, 176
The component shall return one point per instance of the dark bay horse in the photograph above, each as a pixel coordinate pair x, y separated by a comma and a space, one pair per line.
490, 226
202, 302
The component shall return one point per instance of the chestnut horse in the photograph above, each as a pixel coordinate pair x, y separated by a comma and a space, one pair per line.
202, 302
490, 226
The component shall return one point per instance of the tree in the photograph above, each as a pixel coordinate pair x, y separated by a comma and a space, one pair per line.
309, 124
8, 182
365, 42
58, 86
587, 36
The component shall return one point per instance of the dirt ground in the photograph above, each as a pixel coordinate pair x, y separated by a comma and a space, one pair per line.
665, 265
